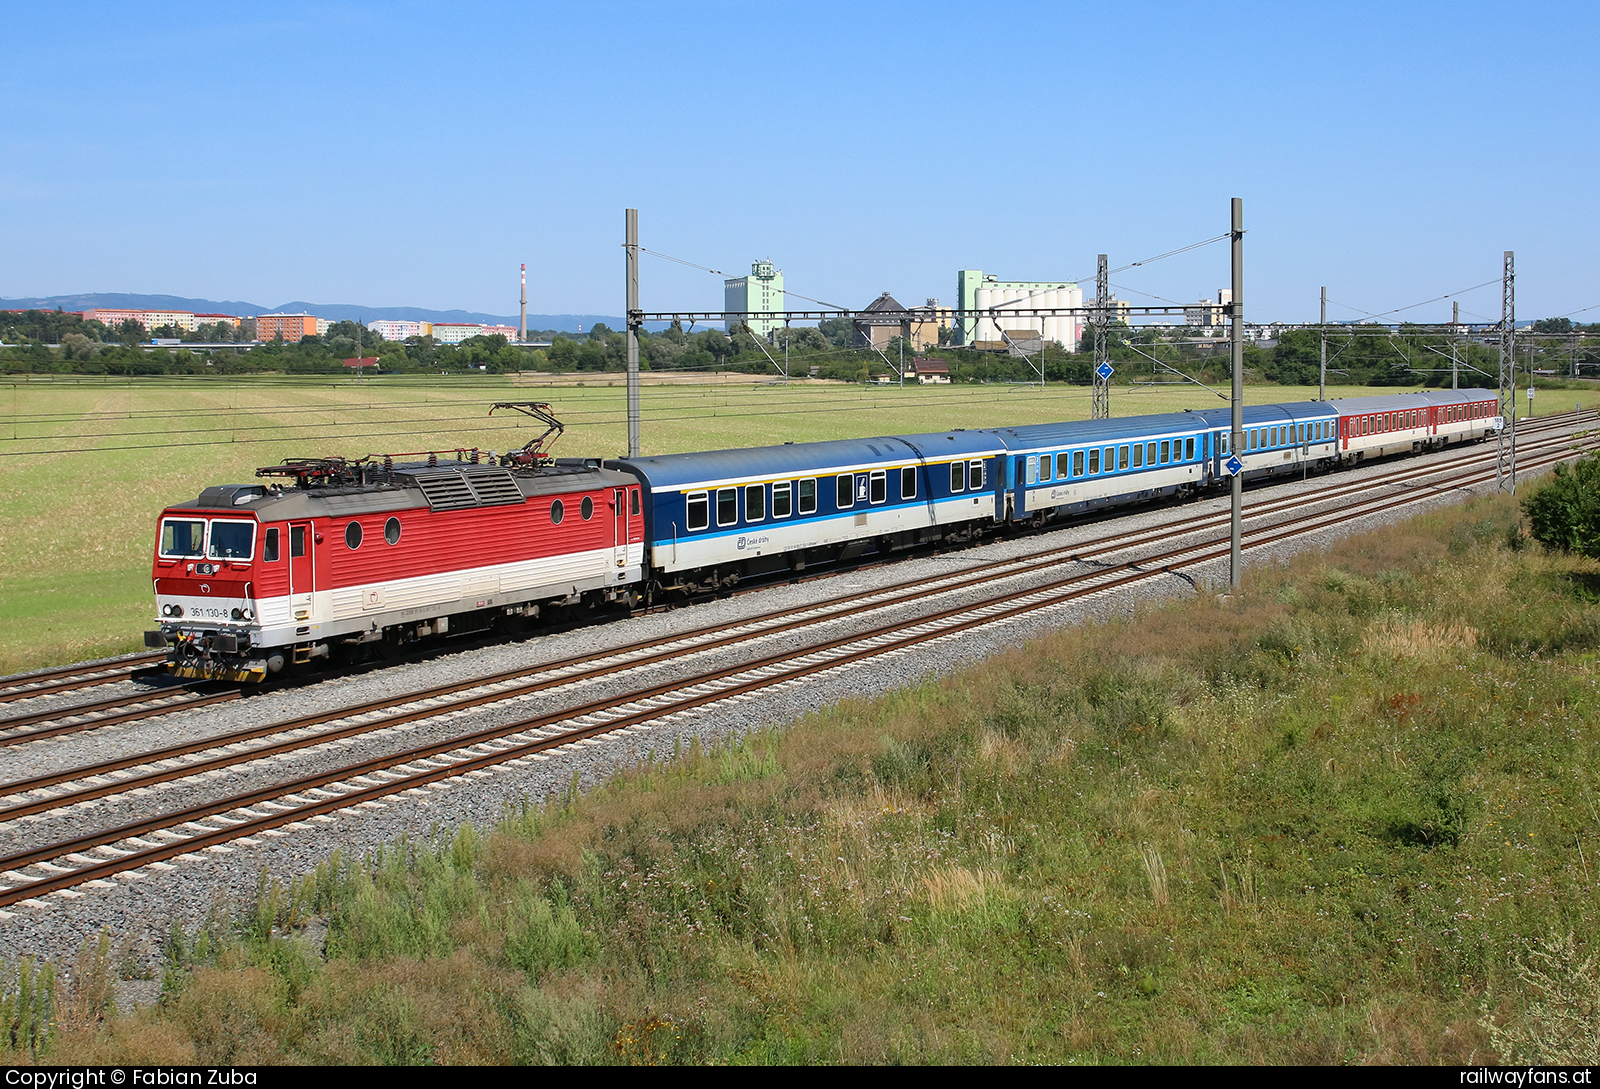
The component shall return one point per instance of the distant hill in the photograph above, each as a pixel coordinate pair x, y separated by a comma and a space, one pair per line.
333, 311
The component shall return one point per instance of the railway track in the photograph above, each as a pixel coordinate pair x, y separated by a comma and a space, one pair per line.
175, 834
71, 678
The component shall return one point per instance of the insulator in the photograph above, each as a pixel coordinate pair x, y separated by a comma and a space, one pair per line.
433, 459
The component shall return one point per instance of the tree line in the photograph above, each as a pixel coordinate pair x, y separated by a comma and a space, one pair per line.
44, 341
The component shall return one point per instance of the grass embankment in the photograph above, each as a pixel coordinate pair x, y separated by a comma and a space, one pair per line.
1351, 818
86, 464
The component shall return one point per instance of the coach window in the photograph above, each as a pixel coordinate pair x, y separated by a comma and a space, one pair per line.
1188, 449
808, 495
958, 477
908, 482
1077, 463
1166, 448
1094, 461
391, 531
269, 546
232, 540
182, 538
727, 506
699, 511
1150, 454
1111, 458
1061, 466
1138, 455
844, 496
1122, 457
974, 475
352, 536
1044, 466
878, 486
781, 499
755, 502
1030, 471
586, 508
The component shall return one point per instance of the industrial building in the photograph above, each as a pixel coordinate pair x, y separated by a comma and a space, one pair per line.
978, 290
760, 292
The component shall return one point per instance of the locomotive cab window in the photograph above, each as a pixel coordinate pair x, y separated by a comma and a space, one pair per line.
232, 540
958, 477
182, 537
844, 495
727, 506
807, 490
755, 502
633, 501
908, 483
781, 499
697, 511
297, 541
269, 545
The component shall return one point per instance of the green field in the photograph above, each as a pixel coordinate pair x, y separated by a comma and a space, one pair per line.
85, 463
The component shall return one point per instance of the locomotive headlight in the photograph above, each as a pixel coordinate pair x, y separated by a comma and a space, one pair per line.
237, 614
172, 610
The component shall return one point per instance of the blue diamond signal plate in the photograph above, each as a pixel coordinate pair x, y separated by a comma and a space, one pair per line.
1233, 465
1103, 371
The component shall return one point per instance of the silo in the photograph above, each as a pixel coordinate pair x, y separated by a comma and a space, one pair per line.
985, 328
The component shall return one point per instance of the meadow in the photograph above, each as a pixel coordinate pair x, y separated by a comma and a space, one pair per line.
1341, 819
86, 464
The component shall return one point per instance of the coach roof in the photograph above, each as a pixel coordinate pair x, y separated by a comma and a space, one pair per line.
667, 472
1093, 432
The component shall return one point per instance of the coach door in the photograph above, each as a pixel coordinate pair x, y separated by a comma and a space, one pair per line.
302, 569
619, 526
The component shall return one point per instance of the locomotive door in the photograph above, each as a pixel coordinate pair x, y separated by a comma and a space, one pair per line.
302, 569
619, 526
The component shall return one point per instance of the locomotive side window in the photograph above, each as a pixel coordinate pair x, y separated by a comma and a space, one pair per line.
232, 540
908, 482
1077, 463
269, 545
1094, 461
1122, 457
879, 487
1061, 466
808, 495
558, 511
958, 478
633, 501
844, 495
181, 537
755, 502
352, 536
781, 499
586, 508
974, 475
699, 511
391, 531
297, 541
727, 506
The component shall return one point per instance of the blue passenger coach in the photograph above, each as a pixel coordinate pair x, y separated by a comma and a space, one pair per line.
1060, 469
712, 517
1278, 439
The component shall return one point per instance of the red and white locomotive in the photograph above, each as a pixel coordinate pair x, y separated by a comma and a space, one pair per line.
366, 557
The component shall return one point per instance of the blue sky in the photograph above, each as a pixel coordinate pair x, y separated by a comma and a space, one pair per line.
414, 153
